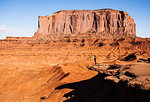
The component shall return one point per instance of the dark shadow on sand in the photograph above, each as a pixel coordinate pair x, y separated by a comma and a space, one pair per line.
97, 89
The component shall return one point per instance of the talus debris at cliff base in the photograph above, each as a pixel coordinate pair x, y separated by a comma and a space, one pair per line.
102, 21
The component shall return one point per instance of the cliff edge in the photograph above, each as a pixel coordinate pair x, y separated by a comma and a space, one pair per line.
102, 21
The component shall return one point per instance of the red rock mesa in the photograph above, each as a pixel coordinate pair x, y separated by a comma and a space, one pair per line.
102, 21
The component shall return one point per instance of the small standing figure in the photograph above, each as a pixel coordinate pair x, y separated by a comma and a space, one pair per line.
95, 59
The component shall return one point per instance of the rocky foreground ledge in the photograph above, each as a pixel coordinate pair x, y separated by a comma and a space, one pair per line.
136, 75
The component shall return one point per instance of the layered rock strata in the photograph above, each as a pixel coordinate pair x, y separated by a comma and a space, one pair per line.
103, 21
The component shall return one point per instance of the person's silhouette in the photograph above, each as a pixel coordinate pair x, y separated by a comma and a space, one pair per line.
95, 59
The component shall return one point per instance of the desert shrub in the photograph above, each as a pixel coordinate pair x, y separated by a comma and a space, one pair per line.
100, 44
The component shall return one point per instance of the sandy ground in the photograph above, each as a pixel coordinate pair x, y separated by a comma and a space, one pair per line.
30, 72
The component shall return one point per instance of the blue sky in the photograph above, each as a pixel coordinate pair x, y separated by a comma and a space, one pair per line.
20, 17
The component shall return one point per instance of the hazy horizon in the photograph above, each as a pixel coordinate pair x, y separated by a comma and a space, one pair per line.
20, 17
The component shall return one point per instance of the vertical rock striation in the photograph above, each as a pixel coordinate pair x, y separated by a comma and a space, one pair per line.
103, 21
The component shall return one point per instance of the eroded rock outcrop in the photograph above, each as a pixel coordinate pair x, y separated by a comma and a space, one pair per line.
135, 75
103, 21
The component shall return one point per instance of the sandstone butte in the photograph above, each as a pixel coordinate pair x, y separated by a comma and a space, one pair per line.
57, 63
102, 21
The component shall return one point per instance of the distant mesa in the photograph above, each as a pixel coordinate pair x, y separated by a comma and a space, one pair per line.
101, 21
21, 38
12, 38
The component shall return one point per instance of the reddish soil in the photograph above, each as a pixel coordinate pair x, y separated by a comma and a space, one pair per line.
55, 71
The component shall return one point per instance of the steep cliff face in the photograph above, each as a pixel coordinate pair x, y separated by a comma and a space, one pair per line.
103, 21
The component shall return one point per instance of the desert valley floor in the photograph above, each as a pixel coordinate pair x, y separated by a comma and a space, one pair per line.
64, 70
